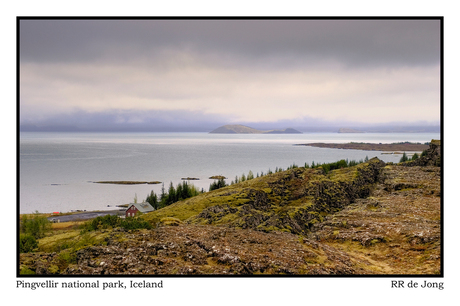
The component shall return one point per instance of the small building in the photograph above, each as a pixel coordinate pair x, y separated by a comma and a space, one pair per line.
136, 208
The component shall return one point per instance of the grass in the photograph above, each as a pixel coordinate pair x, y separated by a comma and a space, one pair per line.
66, 225
70, 239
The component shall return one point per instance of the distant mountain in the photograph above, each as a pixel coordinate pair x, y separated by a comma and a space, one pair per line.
241, 129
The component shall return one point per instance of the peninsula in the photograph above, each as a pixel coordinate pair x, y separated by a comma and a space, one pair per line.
242, 129
402, 146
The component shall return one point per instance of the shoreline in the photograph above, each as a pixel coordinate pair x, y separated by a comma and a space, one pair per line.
386, 147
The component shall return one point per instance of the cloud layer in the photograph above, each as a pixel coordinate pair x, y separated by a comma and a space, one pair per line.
230, 71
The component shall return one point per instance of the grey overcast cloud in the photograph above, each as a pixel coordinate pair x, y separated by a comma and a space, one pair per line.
195, 75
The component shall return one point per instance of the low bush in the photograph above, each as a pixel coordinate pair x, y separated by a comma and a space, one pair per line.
27, 243
35, 225
113, 221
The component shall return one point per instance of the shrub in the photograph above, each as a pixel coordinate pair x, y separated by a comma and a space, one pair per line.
113, 221
36, 225
27, 243
107, 221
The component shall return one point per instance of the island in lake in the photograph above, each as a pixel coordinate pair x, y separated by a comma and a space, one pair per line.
241, 129
128, 182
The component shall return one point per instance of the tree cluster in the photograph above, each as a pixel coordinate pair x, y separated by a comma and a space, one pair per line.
181, 192
217, 184
405, 158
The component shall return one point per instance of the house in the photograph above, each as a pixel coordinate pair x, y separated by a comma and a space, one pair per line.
136, 208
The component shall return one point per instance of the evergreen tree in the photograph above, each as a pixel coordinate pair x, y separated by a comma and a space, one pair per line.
217, 184
404, 158
181, 192
163, 194
152, 199
171, 198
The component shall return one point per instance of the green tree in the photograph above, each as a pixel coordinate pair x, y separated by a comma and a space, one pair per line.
326, 168
404, 158
152, 199
181, 192
217, 184
162, 194
171, 197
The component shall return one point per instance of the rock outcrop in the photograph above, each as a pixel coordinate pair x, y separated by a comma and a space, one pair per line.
432, 156
294, 200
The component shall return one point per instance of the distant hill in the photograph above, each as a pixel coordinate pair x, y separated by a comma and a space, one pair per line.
241, 129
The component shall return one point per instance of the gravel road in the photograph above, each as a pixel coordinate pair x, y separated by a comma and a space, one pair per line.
86, 215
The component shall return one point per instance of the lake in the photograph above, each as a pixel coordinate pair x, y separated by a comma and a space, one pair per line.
57, 171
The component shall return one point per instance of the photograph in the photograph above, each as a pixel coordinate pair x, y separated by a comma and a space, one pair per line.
229, 147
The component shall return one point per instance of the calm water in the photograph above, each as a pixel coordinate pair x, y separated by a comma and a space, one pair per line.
57, 170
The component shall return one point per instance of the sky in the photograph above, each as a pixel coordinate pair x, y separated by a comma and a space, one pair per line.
195, 74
